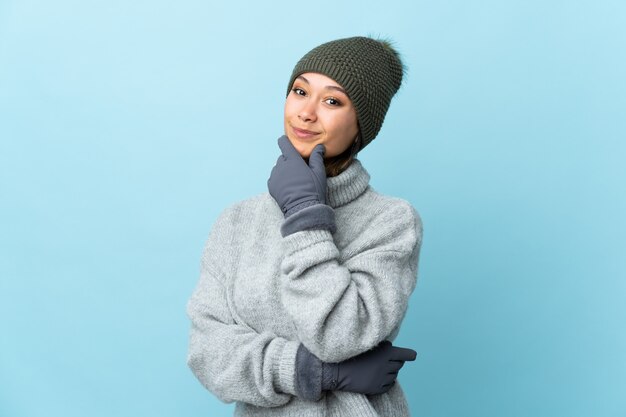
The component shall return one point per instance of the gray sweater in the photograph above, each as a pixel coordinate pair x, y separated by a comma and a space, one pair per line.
260, 295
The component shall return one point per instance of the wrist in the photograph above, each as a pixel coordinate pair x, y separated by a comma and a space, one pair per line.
330, 376
317, 216
308, 381
293, 210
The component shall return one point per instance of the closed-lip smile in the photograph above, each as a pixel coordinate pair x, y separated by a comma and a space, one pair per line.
304, 131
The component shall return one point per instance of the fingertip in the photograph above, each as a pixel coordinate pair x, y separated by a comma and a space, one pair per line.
319, 148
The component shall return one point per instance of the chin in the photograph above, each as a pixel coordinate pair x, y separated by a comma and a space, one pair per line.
305, 148
302, 147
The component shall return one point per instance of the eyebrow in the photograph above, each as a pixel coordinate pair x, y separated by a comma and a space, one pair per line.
328, 87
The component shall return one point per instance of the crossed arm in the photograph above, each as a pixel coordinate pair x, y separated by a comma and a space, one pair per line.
339, 309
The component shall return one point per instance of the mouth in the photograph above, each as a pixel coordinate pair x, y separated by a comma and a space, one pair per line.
303, 134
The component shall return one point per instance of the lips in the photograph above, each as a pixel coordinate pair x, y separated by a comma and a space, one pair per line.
304, 131
305, 135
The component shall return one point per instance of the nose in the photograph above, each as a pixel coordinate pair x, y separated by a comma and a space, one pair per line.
307, 111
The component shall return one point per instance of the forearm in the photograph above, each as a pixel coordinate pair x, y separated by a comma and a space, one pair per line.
233, 361
238, 366
344, 307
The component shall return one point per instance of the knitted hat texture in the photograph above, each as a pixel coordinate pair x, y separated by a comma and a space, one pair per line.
370, 70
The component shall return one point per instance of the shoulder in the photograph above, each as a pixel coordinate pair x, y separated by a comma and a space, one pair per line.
395, 210
243, 220
242, 209
234, 225
391, 221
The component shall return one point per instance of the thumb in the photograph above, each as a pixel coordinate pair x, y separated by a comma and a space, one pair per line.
316, 160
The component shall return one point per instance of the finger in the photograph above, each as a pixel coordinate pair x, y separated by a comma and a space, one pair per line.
316, 160
395, 365
403, 354
390, 384
269, 179
280, 158
287, 148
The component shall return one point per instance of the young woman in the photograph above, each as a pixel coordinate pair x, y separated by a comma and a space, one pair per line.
303, 288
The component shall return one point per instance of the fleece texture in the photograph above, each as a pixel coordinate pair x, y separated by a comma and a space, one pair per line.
261, 295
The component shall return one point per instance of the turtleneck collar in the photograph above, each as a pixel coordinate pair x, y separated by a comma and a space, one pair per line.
348, 185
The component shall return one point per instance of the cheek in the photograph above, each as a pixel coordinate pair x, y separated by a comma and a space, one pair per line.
345, 128
289, 108
286, 109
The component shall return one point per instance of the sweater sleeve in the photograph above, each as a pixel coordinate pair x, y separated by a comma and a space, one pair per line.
341, 309
231, 360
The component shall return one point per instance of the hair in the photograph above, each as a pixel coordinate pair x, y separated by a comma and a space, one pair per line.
337, 164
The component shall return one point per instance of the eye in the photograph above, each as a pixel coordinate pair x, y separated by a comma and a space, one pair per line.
296, 89
337, 102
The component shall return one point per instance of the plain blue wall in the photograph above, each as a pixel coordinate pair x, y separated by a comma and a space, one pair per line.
126, 127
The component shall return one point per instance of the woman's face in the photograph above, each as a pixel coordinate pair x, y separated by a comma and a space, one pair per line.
318, 104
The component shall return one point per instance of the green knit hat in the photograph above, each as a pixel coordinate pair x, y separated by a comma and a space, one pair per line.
370, 70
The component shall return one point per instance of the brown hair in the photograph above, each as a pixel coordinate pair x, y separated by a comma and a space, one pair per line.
337, 164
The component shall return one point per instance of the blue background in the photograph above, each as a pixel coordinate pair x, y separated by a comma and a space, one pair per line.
126, 127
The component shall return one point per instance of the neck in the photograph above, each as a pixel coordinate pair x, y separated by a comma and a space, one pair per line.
348, 185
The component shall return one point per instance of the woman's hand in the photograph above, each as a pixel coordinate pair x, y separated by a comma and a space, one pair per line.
371, 372
294, 184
